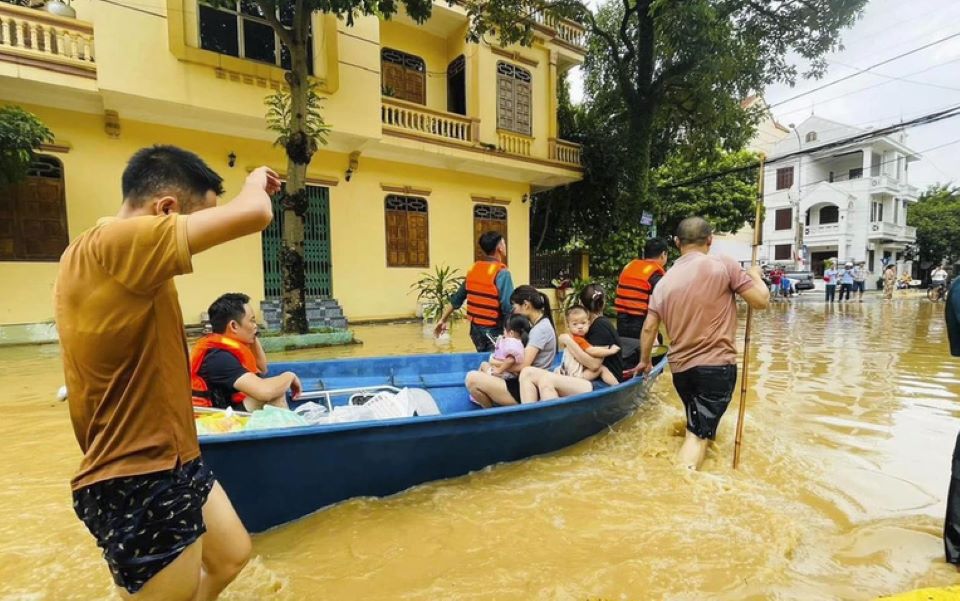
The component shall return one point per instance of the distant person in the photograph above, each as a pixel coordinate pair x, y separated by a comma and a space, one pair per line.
846, 281
860, 280
776, 278
889, 281
486, 290
696, 301
228, 367
939, 277
830, 278
166, 527
951, 525
488, 390
507, 354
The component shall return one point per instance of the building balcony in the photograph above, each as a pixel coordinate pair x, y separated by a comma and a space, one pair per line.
821, 234
408, 119
880, 231
34, 38
885, 184
565, 152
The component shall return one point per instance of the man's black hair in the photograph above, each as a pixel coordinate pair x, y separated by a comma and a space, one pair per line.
225, 309
654, 248
489, 241
694, 231
162, 169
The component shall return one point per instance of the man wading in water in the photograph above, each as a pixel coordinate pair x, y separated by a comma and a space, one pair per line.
696, 301
166, 527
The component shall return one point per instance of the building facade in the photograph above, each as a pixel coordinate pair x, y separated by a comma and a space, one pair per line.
433, 140
849, 202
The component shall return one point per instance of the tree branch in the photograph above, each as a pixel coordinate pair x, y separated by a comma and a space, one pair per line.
270, 12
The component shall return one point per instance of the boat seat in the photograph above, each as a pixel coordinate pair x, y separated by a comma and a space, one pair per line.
442, 380
407, 380
310, 383
335, 383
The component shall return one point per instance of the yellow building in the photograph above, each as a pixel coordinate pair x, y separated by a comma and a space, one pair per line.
433, 140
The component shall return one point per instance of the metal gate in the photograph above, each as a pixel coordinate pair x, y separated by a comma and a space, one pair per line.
316, 247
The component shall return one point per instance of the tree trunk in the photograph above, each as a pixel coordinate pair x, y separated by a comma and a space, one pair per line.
300, 150
642, 105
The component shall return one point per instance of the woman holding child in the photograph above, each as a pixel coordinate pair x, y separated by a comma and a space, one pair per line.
601, 359
492, 386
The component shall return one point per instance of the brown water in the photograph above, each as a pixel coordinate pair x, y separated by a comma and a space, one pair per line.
850, 427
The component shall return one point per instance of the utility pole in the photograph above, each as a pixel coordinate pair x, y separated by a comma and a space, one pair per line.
798, 237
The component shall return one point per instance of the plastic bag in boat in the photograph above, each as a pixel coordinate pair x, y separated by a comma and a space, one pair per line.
274, 417
314, 413
419, 402
220, 422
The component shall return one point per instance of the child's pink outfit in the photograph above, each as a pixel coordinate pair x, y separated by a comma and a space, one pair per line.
508, 347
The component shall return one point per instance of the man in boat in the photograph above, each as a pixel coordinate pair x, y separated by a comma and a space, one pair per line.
695, 300
636, 284
227, 367
166, 527
951, 525
486, 290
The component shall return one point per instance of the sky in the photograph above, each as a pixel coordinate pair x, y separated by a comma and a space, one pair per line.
921, 83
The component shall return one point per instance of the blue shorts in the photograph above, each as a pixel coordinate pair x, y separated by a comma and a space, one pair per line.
143, 523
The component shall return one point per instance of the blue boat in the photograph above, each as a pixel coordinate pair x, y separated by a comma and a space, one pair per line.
279, 475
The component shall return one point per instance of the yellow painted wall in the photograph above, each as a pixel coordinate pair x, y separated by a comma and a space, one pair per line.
362, 282
433, 51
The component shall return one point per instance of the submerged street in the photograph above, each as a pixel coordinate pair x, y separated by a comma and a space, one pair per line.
852, 417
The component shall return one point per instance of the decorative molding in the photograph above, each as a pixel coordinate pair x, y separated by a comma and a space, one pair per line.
62, 147
481, 150
250, 80
514, 56
111, 123
9, 55
490, 200
408, 190
569, 46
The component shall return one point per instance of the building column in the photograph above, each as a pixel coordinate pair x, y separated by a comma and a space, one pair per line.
552, 83
867, 161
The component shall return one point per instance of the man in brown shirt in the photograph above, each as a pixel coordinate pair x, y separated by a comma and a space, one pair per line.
167, 529
696, 301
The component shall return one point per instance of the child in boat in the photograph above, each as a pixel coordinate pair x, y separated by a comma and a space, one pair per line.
508, 352
578, 323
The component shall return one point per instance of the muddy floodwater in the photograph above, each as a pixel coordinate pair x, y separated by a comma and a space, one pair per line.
852, 417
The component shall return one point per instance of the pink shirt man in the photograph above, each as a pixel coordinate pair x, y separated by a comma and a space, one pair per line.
696, 302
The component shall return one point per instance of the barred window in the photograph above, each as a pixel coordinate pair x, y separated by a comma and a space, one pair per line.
33, 214
514, 91
404, 76
784, 178
408, 232
487, 218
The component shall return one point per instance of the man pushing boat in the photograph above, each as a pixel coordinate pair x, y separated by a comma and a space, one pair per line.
166, 527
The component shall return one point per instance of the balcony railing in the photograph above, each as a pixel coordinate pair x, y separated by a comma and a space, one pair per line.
37, 38
407, 117
892, 231
565, 152
517, 144
829, 229
569, 32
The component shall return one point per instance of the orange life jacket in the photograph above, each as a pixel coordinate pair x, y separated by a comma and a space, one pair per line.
633, 289
483, 298
201, 392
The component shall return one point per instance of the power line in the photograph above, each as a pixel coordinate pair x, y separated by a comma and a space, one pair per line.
903, 79
949, 113
867, 69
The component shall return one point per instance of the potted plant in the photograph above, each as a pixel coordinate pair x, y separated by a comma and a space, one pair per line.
433, 292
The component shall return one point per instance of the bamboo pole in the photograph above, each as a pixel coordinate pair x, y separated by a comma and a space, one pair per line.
745, 377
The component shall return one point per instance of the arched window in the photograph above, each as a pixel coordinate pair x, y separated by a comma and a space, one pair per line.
487, 218
514, 91
811, 136
408, 232
33, 214
829, 214
404, 76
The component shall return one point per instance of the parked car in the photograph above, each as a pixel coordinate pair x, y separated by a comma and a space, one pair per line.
800, 280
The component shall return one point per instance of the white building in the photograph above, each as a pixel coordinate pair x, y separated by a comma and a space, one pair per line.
848, 202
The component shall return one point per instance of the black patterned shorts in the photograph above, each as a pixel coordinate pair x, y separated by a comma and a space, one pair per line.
143, 523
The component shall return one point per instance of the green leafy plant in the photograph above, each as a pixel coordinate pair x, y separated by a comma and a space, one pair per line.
279, 115
20, 134
434, 289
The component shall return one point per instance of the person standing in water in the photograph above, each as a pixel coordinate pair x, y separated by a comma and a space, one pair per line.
696, 302
166, 527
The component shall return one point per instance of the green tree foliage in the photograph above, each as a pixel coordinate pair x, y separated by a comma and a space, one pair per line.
20, 134
937, 219
296, 117
666, 74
